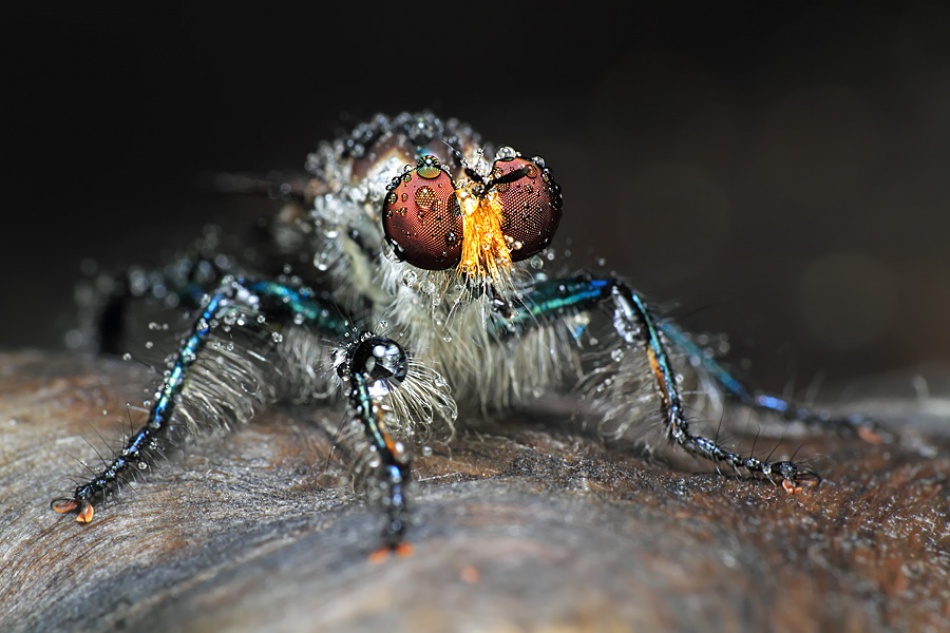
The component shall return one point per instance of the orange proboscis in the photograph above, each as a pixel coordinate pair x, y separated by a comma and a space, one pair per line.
485, 252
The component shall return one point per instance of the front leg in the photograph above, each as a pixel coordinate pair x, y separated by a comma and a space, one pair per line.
371, 369
216, 382
638, 328
213, 381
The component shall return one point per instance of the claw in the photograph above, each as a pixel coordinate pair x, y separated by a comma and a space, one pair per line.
383, 553
84, 510
870, 435
791, 487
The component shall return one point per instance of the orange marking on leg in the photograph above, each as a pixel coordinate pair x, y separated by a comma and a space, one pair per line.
658, 373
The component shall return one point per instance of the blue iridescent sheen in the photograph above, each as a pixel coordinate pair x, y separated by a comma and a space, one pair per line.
550, 301
315, 315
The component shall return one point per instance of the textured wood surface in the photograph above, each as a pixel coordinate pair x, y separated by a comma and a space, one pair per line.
522, 526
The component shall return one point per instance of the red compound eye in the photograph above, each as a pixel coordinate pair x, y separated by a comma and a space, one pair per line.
531, 203
421, 217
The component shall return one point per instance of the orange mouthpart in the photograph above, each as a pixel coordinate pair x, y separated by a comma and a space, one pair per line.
485, 251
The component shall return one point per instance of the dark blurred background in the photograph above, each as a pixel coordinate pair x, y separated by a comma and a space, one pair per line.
777, 174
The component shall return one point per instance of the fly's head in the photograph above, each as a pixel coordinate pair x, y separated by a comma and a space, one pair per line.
475, 224
419, 204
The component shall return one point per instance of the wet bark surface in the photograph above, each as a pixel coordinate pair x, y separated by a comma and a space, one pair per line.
523, 525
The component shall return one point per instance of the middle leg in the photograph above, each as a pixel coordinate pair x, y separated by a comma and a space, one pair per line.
638, 329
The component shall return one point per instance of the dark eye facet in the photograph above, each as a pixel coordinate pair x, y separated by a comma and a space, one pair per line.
421, 217
531, 203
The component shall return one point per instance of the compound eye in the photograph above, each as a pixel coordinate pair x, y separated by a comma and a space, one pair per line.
531, 204
421, 217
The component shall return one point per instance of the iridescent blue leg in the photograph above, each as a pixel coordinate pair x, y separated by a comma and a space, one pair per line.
234, 296
856, 423
549, 301
372, 367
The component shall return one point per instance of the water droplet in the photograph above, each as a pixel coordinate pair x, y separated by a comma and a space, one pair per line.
149, 344
277, 337
425, 197
429, 167
126, 356
506, 152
